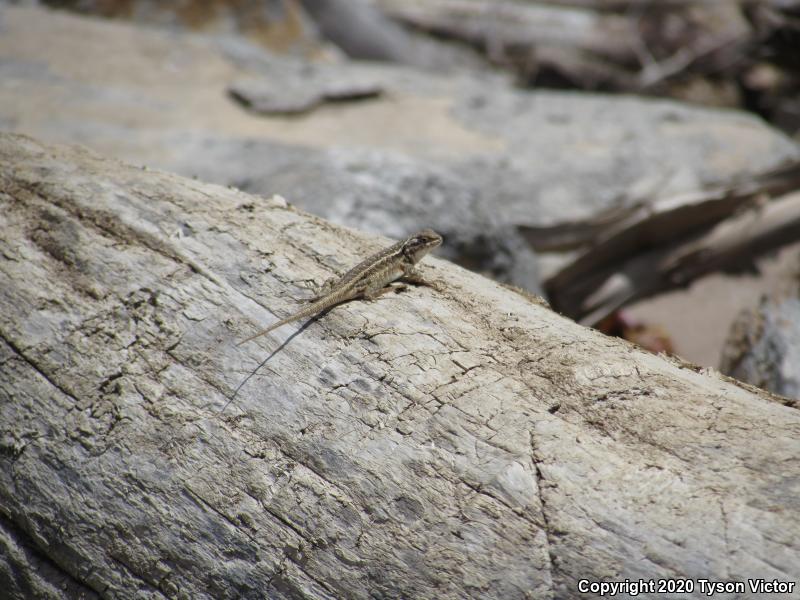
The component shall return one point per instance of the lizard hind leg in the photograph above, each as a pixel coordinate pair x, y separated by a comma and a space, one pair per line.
320, 291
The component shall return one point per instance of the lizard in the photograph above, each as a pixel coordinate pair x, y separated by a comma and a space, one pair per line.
369, 279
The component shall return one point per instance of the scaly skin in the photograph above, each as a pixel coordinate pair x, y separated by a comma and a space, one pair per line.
369, 279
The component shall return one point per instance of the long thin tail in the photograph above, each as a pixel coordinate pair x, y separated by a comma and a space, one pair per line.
308, 311
265, 331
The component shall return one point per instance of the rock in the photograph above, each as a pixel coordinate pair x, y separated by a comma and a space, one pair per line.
261, 96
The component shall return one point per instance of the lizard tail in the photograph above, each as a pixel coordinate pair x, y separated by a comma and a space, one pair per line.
264, 331
306, 312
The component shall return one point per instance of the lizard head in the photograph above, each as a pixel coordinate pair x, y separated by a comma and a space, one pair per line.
419, 244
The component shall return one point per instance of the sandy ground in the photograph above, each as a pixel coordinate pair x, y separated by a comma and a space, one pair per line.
698, 318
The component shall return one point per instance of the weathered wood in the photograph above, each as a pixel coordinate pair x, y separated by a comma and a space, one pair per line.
645, 47
762, 343
463, 443
667, 243
497, 25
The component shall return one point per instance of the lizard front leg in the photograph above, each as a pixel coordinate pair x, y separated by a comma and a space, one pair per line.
371, 292
411, 275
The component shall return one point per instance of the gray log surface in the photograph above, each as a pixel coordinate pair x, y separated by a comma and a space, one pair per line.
450, 444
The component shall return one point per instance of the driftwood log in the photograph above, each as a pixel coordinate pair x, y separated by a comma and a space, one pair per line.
465, 442
668, 243
632, 47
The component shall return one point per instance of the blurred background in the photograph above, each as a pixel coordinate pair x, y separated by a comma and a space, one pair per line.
635, 162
